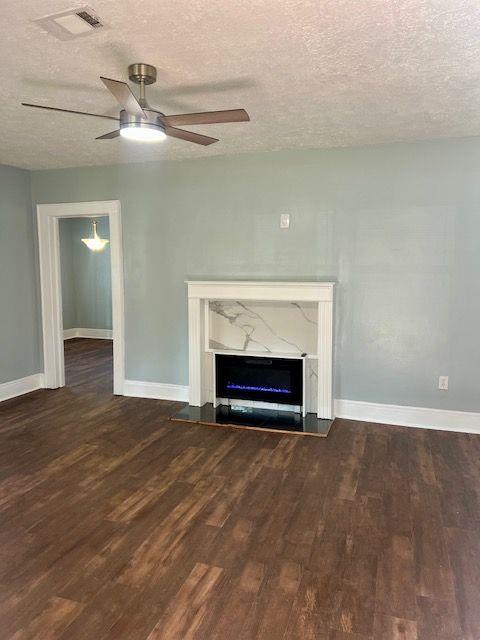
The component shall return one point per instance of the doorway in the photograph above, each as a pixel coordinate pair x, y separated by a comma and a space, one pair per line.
48, 216
86, 303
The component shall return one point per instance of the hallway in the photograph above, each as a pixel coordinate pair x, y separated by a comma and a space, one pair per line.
89, 366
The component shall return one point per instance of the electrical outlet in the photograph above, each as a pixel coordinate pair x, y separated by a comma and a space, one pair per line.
443, 383
284, 220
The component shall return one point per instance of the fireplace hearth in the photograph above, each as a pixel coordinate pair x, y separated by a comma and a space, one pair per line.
254, 418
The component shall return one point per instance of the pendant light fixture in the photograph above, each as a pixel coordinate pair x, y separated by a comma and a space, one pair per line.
95, 243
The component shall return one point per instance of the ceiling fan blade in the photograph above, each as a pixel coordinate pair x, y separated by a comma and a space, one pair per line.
122, 92
207, 117
81, 113
189, 136
108, 136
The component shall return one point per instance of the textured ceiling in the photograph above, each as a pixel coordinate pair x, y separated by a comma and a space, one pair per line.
311, 73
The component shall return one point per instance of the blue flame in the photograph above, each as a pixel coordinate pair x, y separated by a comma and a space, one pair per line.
246, 387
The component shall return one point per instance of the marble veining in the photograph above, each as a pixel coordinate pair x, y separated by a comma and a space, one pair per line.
283, 327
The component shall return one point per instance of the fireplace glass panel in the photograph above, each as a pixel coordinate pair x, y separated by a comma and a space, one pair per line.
266, 379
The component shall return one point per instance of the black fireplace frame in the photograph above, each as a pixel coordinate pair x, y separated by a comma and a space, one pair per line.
283, 382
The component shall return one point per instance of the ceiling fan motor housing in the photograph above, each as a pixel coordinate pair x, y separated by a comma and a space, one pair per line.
142, 73
151, 122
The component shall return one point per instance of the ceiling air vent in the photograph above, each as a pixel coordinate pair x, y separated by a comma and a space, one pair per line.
90, 19
74, 23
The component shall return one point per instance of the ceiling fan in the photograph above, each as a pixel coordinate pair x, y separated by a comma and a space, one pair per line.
138, 121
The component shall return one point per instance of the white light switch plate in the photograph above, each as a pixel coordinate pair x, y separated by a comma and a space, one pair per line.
443, 383
284, 220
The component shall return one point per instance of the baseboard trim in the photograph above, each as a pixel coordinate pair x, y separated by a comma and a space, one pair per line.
155, 390
391, 414
99, 334
420, 417
18, 387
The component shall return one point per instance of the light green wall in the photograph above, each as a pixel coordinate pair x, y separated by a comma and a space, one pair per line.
86, 280
397, 225
19, 334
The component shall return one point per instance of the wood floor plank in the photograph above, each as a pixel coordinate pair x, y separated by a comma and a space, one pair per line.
433, 573
271, 610
101, 613
438, 620
394, 628
52, 621
188, 608
395, 589
464, 552
226, 619
312, 609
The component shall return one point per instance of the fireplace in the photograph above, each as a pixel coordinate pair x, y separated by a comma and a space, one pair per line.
260, 355
267, 378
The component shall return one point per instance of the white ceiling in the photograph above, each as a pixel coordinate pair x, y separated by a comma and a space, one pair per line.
311, 73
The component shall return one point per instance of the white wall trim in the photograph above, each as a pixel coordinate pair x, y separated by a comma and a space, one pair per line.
50, 285
421, 417
22, 385
68, 334
156, 390
81, 332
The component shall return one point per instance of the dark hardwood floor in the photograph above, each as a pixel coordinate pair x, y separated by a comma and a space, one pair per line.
117, 524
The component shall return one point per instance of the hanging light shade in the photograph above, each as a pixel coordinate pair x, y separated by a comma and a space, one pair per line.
95, 243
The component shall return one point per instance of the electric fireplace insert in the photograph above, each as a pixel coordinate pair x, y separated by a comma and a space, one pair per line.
263, 379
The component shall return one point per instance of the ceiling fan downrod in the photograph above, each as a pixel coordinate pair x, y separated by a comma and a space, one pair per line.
142, 74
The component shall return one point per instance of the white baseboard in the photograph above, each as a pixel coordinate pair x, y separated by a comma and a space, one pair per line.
421, 417
156, 390
79, 332
19, 387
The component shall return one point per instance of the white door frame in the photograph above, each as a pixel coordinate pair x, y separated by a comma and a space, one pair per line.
51, 290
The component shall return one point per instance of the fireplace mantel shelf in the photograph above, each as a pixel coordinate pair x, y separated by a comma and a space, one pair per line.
303, 291
261, 354
273, 283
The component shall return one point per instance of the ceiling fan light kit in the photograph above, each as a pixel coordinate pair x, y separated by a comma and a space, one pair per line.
141, 123
140, 129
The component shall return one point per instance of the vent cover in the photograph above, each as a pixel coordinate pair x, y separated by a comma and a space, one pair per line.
90, 19
74, 23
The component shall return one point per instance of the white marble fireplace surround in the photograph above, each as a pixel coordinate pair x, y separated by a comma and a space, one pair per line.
262, 317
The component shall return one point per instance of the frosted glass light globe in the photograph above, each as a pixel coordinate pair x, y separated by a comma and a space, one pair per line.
96, 243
